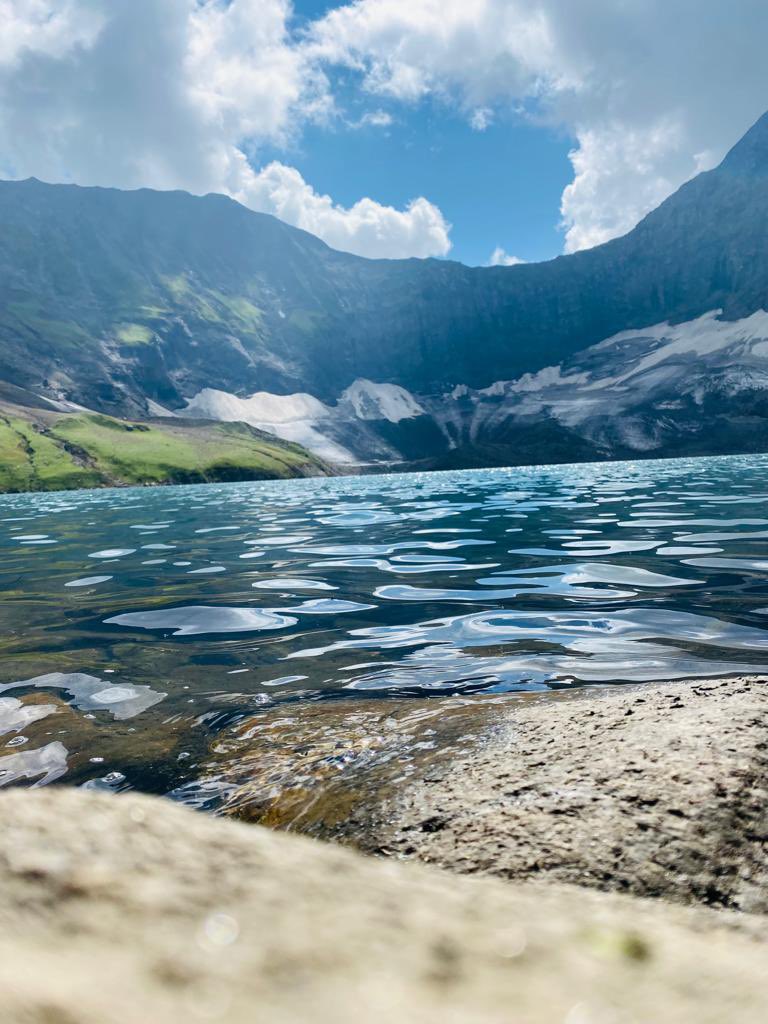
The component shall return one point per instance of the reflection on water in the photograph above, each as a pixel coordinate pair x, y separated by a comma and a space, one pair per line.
153, 637
91, 694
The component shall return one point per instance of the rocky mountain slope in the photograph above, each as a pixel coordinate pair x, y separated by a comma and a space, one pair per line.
142, 303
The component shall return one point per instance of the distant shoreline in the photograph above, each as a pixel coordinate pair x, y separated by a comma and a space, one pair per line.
314, 468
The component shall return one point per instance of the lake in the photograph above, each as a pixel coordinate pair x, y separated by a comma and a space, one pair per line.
147, 630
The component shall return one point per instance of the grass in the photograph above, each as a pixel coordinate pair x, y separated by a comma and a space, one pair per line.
133, 334
89, 450
51, 466
178, 286
305, 320
249, 315
140, 453
15, 466
31, 461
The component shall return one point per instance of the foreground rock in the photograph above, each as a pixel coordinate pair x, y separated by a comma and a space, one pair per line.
127, 909
654, 790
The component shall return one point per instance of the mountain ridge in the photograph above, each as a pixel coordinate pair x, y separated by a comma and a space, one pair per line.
128, 301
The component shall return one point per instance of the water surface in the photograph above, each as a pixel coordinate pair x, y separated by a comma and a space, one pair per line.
143, 629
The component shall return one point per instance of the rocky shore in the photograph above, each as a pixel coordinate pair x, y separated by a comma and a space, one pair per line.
127, 909
657, 790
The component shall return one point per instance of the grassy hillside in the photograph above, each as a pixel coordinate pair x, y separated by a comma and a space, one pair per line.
41, 451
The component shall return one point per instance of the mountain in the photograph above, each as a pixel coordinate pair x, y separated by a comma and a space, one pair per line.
141, 304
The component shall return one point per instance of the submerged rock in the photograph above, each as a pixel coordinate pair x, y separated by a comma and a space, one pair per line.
655, 790
324, 768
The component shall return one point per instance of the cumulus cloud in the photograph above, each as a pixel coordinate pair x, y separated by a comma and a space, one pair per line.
181, 94
651, 92
144, 98
37, 26
409, 49
244, 73
366, 228
501, 258
374, 119
621, 173
187, 93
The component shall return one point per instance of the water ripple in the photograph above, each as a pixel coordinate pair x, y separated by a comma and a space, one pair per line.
299, 592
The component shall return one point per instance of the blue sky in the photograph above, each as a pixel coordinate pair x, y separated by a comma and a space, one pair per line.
388, 128
309, 10
498, 188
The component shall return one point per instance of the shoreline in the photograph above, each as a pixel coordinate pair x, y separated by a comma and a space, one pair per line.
658, 790
338, 470
118, 909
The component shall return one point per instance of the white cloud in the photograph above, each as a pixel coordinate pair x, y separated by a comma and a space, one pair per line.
366, 228
501, 258
375, 119
480, 119
621, 174
153, 95
652, 92
180, 94
411, 48
39, 26
185, 94
246, 73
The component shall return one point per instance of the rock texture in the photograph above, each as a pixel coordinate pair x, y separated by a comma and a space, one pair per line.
124, 910
653, 790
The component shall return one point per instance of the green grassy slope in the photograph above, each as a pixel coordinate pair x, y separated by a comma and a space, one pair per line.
60, 452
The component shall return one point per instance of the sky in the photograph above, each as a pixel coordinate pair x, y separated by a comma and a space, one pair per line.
487, 131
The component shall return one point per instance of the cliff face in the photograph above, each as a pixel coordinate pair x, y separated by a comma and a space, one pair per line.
119, 299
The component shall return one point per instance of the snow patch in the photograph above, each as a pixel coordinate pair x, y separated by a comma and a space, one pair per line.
497, 389
549, 377
259, 408
290, 417
372, 401
701, 337
613, 391
631, 370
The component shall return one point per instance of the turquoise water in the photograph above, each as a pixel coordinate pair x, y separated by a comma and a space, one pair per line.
138, 625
